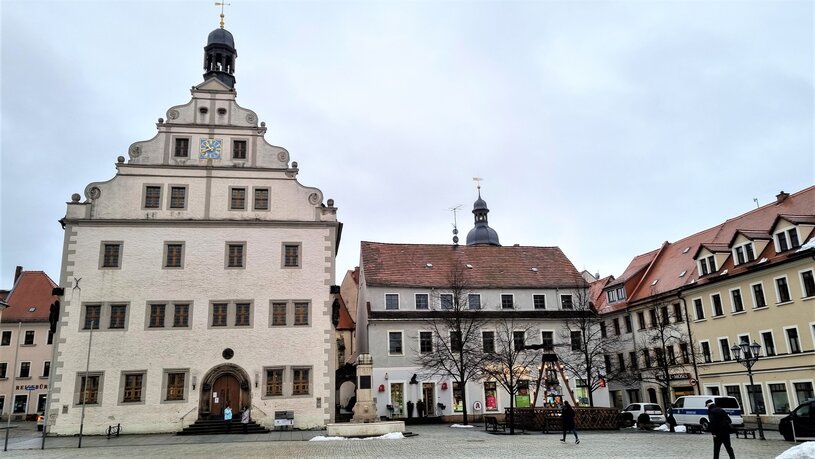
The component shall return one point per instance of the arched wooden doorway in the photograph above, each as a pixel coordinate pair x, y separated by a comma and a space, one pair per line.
224, 385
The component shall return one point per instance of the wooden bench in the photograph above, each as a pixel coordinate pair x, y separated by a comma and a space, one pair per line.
283, 419
694, 429
491, 422
744, 431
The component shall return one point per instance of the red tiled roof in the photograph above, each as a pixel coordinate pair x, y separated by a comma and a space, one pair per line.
32, 290
671, 262
639, 263
406, 265
345, 322
596, 294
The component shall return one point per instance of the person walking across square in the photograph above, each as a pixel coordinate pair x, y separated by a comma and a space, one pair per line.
567, 417
720, 428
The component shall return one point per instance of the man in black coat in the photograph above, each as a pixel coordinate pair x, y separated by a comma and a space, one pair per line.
720, 428
567, 418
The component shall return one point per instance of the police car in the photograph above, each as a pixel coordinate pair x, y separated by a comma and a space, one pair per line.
692, 409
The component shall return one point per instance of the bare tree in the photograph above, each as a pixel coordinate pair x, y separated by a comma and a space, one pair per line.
664, 347
457, 351
584, 344
509, 363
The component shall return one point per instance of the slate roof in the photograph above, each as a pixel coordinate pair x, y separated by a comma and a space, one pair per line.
32, 290
406, 265
673, 259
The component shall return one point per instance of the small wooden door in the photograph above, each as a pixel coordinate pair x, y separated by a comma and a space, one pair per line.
226, 391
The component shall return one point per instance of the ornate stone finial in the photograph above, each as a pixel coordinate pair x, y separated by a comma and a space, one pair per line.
330, 203
120, 159
75, 197
222, 4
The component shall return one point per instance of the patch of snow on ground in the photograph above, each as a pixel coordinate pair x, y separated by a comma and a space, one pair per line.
387, 436
666, 428
462, 426
802, 451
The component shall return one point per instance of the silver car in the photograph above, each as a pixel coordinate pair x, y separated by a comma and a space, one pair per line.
653, 411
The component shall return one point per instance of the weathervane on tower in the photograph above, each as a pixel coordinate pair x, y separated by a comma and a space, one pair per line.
222, 4
478, 181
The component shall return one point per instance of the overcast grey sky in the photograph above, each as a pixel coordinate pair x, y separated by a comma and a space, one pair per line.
604, 128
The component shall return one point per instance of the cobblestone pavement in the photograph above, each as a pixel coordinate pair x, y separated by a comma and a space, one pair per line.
431, 441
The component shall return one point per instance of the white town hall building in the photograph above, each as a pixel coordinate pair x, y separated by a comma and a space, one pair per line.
199, 276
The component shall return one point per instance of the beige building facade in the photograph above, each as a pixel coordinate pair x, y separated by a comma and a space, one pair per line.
197, 278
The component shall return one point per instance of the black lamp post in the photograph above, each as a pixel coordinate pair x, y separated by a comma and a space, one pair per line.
747, 355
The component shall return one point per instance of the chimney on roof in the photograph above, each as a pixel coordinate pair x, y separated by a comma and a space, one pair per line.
17, 273
780, 197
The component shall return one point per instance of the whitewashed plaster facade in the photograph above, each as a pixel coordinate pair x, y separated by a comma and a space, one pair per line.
208, 226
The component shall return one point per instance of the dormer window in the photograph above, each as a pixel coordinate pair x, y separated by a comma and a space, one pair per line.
744, 253
787, 239
707, 265
618, 294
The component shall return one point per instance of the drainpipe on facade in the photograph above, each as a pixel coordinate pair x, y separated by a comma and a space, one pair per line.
690, 338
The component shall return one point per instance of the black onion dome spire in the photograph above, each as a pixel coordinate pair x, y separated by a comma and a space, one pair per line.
220, 56
481, 234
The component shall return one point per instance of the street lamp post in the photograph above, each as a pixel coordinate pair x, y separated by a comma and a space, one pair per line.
747, 355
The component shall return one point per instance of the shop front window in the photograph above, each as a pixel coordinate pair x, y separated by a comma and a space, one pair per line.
522, 396
397, 398
458, 397
490, 396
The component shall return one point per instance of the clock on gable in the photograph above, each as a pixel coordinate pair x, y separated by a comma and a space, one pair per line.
210, 149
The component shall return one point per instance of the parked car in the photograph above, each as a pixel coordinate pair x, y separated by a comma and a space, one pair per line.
802, 419
692, 409
633, 411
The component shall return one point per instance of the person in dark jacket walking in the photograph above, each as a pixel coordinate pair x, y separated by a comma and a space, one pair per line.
567, 418
720, 428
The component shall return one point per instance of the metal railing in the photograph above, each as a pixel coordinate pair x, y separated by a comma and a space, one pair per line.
181, 419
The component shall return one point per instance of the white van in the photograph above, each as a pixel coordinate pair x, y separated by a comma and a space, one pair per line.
691, 409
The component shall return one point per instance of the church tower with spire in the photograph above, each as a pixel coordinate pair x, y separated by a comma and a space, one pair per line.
206, 269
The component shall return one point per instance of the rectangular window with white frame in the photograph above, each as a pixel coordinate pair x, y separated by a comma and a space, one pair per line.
474, 301
782, 290
768, 342
779, 397
446, 300
803, 390
706, 355
539, 301
507, 301
743, 253
291, 254
807, 283
488, 341
395, 343
425, 342
566, 301
422, 301
391, 301
46, 369
787, 239
793, 341
716, 305
759, 301
736, 300
724, 347
698, 307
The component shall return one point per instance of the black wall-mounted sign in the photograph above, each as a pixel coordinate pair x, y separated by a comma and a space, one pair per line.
364, 382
